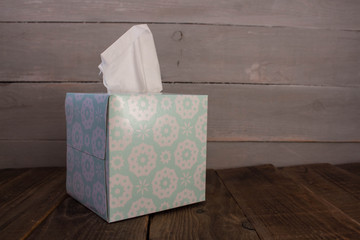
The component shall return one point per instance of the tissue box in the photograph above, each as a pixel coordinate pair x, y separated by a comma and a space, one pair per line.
134, 154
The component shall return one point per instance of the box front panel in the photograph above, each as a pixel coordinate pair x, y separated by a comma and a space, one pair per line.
157, 152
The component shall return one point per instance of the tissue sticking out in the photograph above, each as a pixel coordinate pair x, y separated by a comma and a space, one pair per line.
130, 64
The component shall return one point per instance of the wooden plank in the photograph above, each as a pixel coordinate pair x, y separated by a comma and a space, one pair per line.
71, 220
29, 199
314, 14
9, 175
280, 208
15, 154
351, 167
187, 53
217, 218
336, 186
236, 113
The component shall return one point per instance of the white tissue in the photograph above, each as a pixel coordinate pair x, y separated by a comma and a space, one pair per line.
130, 64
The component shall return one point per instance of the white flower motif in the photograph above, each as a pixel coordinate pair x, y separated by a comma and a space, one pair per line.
142, 186
165, 157
187, 129
141, 207
166, 130
142, 107
116, 162
187, 106
117, 216
185, 179
199, 176
186, 154
120, 190
164, 206
185, 197
143, 132
120, 133
142, 159
166, 103
164, 183
117, 103
200, 128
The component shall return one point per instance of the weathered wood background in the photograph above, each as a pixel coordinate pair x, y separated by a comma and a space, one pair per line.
283, 76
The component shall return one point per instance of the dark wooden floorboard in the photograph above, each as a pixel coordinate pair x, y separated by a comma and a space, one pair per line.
318, 201
71, 220
280, 208
9, 175
217, 218
351, 167
331, 183
27, 199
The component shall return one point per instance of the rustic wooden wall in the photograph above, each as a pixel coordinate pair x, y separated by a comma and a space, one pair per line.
282, 75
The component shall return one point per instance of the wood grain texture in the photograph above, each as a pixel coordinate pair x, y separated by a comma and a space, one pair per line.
28, 199
336, 186
61, 52
315, 14
71, 220
282, 209
236, 113
219, 216
351, 167
9, 175
16, 154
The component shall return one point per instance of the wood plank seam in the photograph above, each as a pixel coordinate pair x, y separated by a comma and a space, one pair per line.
46, 215
244, 225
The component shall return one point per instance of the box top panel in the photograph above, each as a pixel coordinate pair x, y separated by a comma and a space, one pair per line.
86, 122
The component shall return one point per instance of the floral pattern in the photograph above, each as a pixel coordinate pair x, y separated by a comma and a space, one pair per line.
199, 177
116, 162
69, 110
99, 198
200, 128
184, 197
187, 106
142, 107
87, 166
164, 183
141, 207
186, 154
166, 103
78, 185
166, 130
87, 113
120, 190
165, 157
98, 141
77, 135
121, 133
85, 180
142, 160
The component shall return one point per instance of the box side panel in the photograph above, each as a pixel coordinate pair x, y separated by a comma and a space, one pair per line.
86, 122
85, 180
157, 153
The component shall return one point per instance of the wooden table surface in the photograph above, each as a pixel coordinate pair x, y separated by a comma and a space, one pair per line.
318, 201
